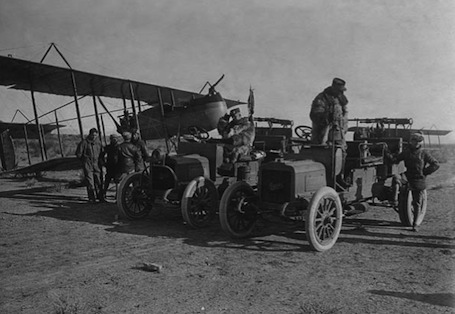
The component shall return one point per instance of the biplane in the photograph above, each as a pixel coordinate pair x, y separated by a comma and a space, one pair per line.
391, 127
156, 111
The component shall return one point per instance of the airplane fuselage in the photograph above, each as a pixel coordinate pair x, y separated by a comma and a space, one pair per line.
203, 112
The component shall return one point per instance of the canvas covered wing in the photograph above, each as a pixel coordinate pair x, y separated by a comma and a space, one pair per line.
27, 75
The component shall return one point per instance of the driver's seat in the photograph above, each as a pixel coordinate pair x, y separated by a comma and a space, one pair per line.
229, 169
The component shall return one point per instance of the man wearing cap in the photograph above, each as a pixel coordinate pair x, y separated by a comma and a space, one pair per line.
419, 163
329, 114
88, 151
110, 159
129, 156
136, 140
239, 131
329, 117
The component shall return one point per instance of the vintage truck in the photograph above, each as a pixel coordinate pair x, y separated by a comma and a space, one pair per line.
302, 185
193, 178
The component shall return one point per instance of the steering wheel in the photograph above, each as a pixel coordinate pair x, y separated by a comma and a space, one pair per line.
303, 131
198, 132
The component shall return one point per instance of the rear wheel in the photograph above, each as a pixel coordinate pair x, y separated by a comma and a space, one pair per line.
199, 202
134, 200
238, 214
406, 210
323, 219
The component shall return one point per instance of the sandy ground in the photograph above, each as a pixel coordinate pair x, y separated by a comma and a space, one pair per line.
61, 255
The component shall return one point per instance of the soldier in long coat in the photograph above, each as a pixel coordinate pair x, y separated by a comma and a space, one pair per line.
110, 160
329, 117
89, 152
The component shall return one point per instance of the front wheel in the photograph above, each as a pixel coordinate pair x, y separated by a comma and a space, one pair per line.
199, 202
238, 213
134, 199
323, 219
406, 210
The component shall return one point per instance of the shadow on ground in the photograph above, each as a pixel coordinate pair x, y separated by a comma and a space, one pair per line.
440, 299
275, 234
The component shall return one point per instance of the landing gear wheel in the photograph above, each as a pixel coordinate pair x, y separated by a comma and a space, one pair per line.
198, 132
303, 131
199, 202
133, 198
238, 214
323, 219
406, 211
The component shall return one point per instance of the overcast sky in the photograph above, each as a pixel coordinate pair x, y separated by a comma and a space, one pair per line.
398, 57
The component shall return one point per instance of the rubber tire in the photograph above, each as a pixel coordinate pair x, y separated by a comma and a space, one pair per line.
135, 208
200, 202
233, 222
405, 209
323, 198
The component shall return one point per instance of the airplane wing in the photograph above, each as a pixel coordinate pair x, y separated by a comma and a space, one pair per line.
432, 132
27, 75
16, 130
55, 164
406, 132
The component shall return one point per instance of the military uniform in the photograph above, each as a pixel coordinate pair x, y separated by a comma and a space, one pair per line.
89, 151
110, 155
329, 116
129, 159
419, 163
241, 132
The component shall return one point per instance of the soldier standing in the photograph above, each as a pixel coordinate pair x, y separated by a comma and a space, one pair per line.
89, 151
110, 156
136, 140
419, 163
329, 117
129, 156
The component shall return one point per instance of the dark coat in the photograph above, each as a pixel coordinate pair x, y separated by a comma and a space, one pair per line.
329, 109
89, 152
111, 157
129, 158
419, 163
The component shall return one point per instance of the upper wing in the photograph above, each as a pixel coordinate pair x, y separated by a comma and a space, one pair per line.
49, 79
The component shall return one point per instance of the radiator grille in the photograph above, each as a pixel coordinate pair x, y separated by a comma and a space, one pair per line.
276, 186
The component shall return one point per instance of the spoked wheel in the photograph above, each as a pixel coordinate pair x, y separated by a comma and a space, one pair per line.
406, 210
133, 196
303, 131
323, 219
238, 214
200, 202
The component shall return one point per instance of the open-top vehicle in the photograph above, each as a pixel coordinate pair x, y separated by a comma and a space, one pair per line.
195, 177
192, 179
304, 185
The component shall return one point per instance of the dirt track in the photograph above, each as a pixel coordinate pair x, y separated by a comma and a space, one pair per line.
61, 255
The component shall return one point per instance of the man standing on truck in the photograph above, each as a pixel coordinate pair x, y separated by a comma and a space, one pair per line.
240, 131
419, 163
329, 117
